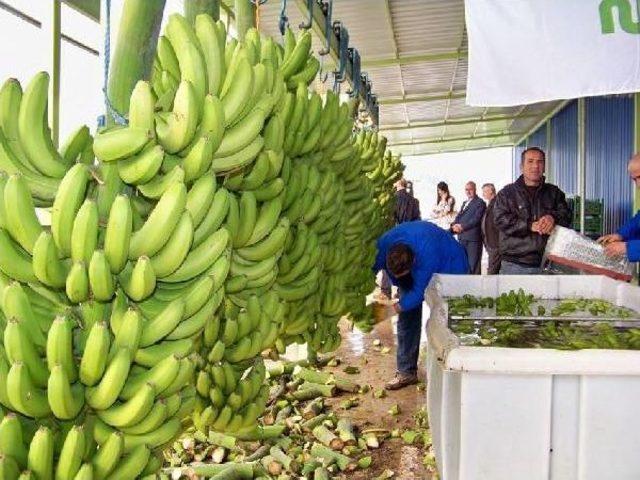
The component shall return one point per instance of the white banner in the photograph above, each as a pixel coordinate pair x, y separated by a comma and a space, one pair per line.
527, 51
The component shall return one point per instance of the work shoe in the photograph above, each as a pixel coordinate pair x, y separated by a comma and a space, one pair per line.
401, 380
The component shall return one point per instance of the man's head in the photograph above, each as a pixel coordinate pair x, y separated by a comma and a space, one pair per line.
470, 189
488, 191
399, 260
634, 169
532, 162
400, 184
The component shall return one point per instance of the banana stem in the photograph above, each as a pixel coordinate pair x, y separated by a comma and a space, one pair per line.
135, 50
193, 8
245, 17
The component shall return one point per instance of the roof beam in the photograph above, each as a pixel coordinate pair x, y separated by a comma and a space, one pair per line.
411, 59
454, 139
423, 98
457, 149
455, 121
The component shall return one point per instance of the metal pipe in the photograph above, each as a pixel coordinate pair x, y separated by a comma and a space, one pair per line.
582, 177
548, 170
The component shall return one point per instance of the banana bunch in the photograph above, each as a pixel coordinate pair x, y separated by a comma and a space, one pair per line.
236, 212
26, 147
235, 396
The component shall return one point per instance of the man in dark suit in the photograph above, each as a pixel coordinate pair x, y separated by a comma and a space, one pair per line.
490, 233
467, 226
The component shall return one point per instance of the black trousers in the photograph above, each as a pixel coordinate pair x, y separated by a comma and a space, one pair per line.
474, 255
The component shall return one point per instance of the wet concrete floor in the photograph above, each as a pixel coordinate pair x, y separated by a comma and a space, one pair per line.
374, 354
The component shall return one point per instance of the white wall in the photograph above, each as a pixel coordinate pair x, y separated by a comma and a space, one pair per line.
481, 166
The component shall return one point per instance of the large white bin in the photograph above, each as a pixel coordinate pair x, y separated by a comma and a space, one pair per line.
532, 414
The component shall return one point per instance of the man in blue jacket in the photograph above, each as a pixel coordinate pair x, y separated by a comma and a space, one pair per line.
468, 226
627, 240
411, 253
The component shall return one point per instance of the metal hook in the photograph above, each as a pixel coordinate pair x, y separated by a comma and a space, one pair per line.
284, 20
307, 25
354, 55
343, 41
327, 9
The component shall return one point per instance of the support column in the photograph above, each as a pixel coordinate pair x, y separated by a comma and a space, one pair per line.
245, 17
549, 162
193, 8
582, 174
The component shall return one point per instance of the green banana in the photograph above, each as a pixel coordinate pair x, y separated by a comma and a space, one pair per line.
248, 209
213, 50
106, 391
163, 324
214, 217
199, 198
94, 358
156, 187
66, 400
201, 258
84, 233
73, 448
60, 347
142, 167
24, 396
108, 455
77, 284
100, 277
139, 281
131, 411
269, 246
239, 159
40, 461
150, 356
119, 143
178, 128
20, 219
155, 232
33, 130
118, 234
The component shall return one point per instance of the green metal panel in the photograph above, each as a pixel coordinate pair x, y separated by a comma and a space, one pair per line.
90, 8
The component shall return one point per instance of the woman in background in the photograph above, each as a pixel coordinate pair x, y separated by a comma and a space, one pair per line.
445, 203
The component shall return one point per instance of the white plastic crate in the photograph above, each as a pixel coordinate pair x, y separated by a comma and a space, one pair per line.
532, 414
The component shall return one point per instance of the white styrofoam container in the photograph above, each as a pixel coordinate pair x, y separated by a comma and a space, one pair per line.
531, 414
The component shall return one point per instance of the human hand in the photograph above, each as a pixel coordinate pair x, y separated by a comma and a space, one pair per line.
456, 228
535, 227
546, 224
615, 249
612, 237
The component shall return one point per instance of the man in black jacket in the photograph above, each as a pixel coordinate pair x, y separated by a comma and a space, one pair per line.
490, 233
467, 226
525, 213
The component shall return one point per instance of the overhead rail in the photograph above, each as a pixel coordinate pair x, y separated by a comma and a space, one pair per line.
346, 58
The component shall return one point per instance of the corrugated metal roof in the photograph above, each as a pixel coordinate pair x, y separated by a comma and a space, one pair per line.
415, 52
